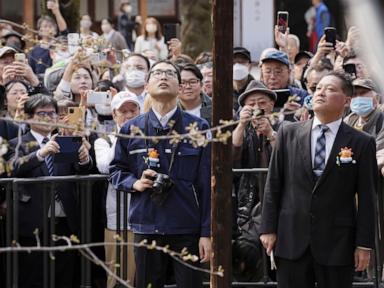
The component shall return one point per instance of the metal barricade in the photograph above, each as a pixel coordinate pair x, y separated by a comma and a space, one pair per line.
83, 184
83, 190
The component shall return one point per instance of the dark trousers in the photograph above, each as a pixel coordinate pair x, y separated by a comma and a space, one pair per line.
31, 264
304, 272
151, 265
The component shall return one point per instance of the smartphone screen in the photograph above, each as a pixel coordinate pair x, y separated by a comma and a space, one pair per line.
20, 57
73, 42
350, 69
330, 35
282, 21
282, 97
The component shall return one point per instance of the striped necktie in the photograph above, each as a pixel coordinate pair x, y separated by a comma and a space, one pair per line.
319, 161
49, 163
48, 159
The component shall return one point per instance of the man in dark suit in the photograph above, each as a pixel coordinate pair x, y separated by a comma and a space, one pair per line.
319, 230
32, 159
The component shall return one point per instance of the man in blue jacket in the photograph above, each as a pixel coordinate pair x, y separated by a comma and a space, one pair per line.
177, 214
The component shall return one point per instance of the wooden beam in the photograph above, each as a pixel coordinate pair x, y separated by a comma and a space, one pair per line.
143, 9
222, 15
29, 13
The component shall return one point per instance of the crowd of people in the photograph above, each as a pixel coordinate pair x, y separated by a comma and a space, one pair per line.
117, 82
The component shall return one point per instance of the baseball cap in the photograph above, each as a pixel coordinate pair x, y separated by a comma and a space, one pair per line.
256, 86
122, 97
243, 51
6, 50
276, 55
365, 83
11, 33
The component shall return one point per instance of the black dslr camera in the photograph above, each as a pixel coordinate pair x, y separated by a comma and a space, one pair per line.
160, 189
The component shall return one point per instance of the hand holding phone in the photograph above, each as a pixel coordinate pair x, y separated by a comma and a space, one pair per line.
330, 35
282, 21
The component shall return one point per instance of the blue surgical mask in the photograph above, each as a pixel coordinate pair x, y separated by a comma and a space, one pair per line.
362, 106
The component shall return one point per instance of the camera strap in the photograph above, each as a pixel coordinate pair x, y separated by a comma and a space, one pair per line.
176, 127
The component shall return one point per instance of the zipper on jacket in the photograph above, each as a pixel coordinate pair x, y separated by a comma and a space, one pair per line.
196, 199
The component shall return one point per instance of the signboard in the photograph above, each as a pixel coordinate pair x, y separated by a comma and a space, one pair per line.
253, 25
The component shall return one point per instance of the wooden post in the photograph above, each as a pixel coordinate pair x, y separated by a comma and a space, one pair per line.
143, 9
29, 12
222, 12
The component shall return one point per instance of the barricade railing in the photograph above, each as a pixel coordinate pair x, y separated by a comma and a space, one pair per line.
48, 184
83, 189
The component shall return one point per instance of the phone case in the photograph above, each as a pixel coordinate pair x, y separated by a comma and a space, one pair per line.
69, 149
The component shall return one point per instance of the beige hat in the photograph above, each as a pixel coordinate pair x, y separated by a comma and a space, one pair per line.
122, 97
6, 50
365, 83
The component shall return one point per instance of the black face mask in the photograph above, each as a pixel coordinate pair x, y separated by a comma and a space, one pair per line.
16, 45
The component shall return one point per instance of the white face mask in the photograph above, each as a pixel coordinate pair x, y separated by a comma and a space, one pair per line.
128, 9
104, 110
151, 28
240, 71
85, 24
61, 55
135, 78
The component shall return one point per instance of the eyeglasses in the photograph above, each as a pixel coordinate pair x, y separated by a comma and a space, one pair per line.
191, 82
50, 114
276, 72
159, 73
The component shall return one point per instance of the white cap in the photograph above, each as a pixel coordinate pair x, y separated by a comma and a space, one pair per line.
6, 50
122, 97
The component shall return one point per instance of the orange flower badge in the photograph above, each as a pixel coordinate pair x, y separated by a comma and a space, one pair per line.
345, 156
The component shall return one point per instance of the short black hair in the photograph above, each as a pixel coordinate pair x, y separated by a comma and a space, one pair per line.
193, 69
37, 101
165, 62
346, 83
141, 56
105, 85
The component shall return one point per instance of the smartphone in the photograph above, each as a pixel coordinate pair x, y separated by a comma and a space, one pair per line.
330, 35
350, 69
282, 21
94, 98
69, 149
73, 42
75, 115
20, 57
282, 97
97, 58
171, 30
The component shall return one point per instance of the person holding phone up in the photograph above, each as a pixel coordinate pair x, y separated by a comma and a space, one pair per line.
31, 161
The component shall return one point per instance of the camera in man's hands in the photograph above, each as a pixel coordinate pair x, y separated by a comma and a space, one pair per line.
258, 112
161, 187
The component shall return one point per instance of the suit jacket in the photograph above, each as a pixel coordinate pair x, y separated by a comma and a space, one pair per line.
27, 165
322, 214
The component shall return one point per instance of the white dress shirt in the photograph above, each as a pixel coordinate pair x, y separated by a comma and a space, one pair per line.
164, 119
330, 136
